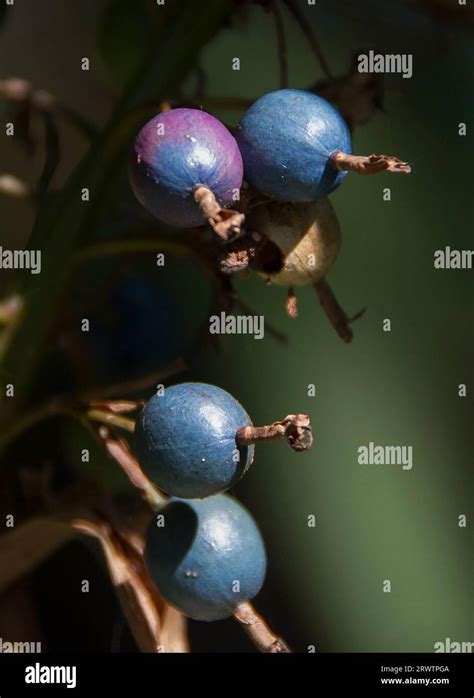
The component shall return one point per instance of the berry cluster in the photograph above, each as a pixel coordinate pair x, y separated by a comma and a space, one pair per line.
195, 441
294, 149
205, 552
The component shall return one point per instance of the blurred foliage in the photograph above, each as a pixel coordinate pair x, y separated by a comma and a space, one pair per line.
57, 232
125, 37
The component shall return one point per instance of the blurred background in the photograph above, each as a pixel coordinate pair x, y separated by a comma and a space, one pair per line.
373, 523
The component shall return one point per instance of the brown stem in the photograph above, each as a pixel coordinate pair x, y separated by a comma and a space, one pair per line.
292, 303
226, 223
108, 412
334, 312
295, 428
259, 632
119, 451
115, 406
368, 164
95, 415
135, 592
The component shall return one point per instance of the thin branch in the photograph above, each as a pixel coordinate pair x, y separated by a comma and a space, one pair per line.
334, 312
51, 408
156, 626
116, 406
111, 419
258, 630
73, 405
281, 42
80, 122
174, 637
119, 451
135, 593
309, 34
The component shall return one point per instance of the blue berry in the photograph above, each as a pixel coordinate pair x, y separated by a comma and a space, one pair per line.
185, 440
297, 147
195, 440
286, 139
178, 152
207, 557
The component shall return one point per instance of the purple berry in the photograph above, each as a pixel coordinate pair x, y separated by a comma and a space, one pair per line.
177, 152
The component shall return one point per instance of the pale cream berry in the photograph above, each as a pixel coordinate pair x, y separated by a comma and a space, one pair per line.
307, 235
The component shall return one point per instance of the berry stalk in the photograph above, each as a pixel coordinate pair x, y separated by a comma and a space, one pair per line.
111, 418
334, 312
225, 223
119, 451
292, 303
368, 164
295, 428
258, 630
